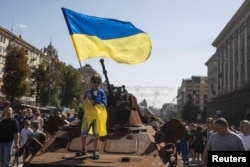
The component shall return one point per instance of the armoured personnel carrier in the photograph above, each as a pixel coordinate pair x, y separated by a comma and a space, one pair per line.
134, 139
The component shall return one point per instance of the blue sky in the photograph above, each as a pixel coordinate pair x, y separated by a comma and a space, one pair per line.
181, 33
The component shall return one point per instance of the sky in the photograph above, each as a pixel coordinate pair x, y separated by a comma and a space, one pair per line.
181, 33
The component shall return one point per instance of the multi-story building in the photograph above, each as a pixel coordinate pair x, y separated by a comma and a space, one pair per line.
195, 89
35, 55
229, 69
168, 112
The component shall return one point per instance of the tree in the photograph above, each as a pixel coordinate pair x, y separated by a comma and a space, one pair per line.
190, 111
16, 74
58, 85
40, 79
72, 87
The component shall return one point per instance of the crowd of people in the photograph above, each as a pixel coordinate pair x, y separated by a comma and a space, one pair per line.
213, 135
18, 130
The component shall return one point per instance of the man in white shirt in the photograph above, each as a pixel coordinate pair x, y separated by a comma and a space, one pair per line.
245, 133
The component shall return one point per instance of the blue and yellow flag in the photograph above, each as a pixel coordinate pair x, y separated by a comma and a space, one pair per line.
100, 37
96, 113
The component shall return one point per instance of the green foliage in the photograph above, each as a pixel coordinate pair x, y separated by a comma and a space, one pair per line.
189, 111
40, 78
72, 87
58, 85
16, 74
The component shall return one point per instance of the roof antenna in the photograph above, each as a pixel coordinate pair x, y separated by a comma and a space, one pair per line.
50, 40
12, 26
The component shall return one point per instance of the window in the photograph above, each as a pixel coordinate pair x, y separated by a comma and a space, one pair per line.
2, 39
1, 60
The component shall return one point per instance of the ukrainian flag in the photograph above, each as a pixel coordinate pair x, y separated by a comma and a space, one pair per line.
98, 113
100, 37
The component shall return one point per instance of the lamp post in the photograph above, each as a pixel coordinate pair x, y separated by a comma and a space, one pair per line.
52, 53
50, 81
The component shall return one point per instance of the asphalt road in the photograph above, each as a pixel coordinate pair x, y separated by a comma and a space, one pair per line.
193, 164
20, 160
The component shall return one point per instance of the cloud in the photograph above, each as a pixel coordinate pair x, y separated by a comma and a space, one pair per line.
23, 26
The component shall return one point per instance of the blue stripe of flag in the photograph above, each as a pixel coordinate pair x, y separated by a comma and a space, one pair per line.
103, 28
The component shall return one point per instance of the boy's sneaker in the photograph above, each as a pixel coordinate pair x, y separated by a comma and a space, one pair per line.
96, 155
81, 153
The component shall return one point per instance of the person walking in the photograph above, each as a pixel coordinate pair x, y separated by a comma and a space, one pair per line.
31, 144
222, 140
38, 119
184, 148
95, 115
21, 119
29, 114
192, 131
245, 133
198, 143
209, 127
24, 136
9, 135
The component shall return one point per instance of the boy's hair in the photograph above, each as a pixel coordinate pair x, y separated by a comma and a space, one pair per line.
96, 77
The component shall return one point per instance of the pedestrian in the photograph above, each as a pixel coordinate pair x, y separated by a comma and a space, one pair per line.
222, 140
245, 133
38, 119
192, 130
41, 137
209, 127
65, 119
69, 119
29, 114
184, 148
21, 119
24, 136
198, 143
95, 115
9, 135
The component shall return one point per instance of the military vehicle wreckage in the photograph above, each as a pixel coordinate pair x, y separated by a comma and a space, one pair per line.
133, 138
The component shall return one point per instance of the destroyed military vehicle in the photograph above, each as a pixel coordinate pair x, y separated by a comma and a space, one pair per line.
132, 140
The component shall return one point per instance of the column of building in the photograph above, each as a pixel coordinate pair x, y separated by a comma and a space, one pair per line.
246, 33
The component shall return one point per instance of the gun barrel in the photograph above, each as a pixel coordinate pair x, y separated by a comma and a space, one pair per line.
106, 77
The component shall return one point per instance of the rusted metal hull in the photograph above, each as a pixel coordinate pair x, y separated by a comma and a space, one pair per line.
123, 160
124, 146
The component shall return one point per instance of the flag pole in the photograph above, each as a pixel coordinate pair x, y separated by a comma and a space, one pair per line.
85, 87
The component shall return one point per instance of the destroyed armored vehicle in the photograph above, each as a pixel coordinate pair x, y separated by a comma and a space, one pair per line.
131, 141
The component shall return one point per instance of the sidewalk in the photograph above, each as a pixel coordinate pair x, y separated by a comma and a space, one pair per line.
193, 164
20, 161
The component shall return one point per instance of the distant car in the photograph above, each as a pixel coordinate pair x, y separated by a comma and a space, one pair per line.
150, 116
145, 111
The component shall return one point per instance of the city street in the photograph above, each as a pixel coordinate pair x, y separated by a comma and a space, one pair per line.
193, 164
20, 161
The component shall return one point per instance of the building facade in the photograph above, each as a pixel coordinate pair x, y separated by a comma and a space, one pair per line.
195, 88
168, 112
35, 55
229, 69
